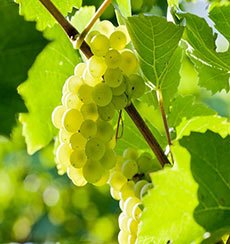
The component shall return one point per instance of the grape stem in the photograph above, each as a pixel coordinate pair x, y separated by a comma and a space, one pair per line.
72, 33
118, 126
160, 100
228, 241
96, 16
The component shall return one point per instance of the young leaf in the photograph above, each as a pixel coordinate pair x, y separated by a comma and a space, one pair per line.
213, 68
123, 6
19, 46
33, 10
190, 202
43, 89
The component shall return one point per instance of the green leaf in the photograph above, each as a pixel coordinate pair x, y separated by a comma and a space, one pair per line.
191, 201
19, 46
123, 7
214, 123
43, 89
219, 13
155, 41
33, 10
213, 68
186, 108
173, 3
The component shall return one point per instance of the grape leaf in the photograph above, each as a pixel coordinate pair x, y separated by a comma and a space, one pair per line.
212, 67
191, 201
173, 3
185, 107
19, 46
43, 89
123, 6
214, 123
35, 11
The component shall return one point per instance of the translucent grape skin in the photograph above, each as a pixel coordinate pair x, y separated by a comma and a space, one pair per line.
76, 175
117, 180
79, 69
77, 141
145, 190
106, 27
130, 153
102, 94
123, 237
144, 163
138, 187
72, 120
129, 168
90, 36
127, 190
118, 40
62, 154
108, 161
113, 58
95, 148
92, 171
113, 77
89, 111
129, 205
88, 128
117, 91
99, 45
107, 112
120, 102
57, 116
73, 83
136, 86
104, 131
85, 93
78, 158
129, 63
96, 66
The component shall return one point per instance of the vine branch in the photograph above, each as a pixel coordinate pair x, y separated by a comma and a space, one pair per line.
72, 33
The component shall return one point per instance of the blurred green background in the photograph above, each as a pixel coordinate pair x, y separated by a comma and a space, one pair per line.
38, 205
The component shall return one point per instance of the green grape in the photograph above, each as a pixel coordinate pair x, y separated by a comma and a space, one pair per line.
117, 91
64, 136
129, 63
102, 94
124, 30
88, 128
62, 154
130, 153
132, 226
136, 213
89, 80
132, 239
79, 69
113, 58
121, 216
72, 101
95, 148
121, 204
113, 77
123, 223
129, 205
104, 130
120, 102
127, 190
72, 120
117, 180
99, 45
90, 36
145, 163
106, 27
120, 161
64, 95
96, 66
145, 190
85, 93
74, 83
123, 237
115, 194
89, 111
92, 171
78, 158
107, 112
108, 161
118, 40
104, 179
57, 116
112, 143
136, 5
76, 175
129, 168
136, 86
77, 141
138, 186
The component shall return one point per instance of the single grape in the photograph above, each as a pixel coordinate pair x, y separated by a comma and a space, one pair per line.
145, 189
129, 205
92, 171
121, 88
107, 112
132, 239
127, 190
120, 102
117, 180
62, 154
76, 175
72, 101
64, 136
95, 148
102, 94
113, 77
90, 36
121, 216
115, 194
123, 237
57, 116
104, 130
138, 186
121, 204
108, 161
117, 40
132, 226
123, 224
129, 168
88, 128
85, 93
96, 66
104, 179
119, 162
90, 80
79, 69
130, 153
136, 213
129, 63
73, 83
106, 27
78, 158
145, 162
124, 30
89, 111
72, 120
99, 45
77, 141
113, 58
136, 86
